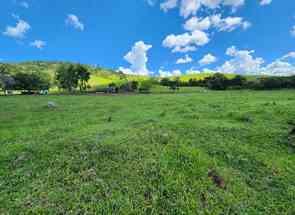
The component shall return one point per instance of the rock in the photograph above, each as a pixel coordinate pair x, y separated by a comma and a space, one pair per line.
51, 105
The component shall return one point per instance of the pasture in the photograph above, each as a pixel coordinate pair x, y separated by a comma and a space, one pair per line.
207, 152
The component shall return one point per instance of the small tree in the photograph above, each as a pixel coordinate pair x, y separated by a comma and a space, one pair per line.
145, 86
175, 84
217, 82
83, 76
71, 76
165, 82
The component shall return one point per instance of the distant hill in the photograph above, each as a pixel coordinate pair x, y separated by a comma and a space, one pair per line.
99, 76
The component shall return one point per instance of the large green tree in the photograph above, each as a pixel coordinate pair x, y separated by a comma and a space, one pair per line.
32, 81
70, 76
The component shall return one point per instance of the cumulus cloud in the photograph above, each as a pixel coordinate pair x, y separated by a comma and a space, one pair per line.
242, 62
265, 2
73, 20
191, 7
279, 68
138, 59
207, 59
196, 23
186, 42
186, 59
289, 55
222, 24
229, 23
174, 73
39, 44
192, 71
18, 31
168, 4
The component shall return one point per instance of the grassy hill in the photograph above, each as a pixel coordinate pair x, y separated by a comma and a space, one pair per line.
229, 152
99, 76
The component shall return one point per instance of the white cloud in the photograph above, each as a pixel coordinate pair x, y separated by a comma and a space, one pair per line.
207, 59
137, 57
186, 41
289, 55
234, 3
19, 31
168, 4
192, 71
222, 24
186, 59
242, 62
229, 23
265, 2
196, 23
292, 32
191, 7
163, 73
184, 49
39, 44
25, 4
279, 68
73, 20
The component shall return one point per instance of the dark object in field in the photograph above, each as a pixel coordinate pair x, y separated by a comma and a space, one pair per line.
292, 132
291, 122
218, 181
247, 119
109, 119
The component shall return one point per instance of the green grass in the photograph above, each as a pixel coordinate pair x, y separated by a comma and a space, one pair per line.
148, 154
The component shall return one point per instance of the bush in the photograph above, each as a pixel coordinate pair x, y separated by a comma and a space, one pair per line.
217, 82
145, 86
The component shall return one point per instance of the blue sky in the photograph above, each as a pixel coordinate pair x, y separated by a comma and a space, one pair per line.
153, 37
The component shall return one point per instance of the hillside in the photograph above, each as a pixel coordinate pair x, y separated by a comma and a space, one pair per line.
99, 76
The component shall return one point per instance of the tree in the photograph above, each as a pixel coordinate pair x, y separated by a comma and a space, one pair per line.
165, 82
238, 81
83, 76
145, 86
31, 81
217, 82
174, 84
7, 82
71, 76
67, 77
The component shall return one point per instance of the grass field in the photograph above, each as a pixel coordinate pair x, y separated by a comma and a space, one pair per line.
149, 154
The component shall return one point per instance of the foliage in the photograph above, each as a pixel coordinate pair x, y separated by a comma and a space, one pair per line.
70, 76
145, 86
31, 81
217, 82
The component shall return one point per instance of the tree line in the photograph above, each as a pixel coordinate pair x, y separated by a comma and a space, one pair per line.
73, 77
220, 81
